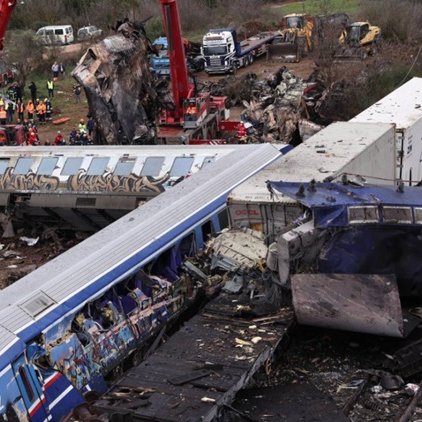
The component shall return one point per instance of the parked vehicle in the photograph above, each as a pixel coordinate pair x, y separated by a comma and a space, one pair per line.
55, 34
223, 52
295, 39
89, 32
358, 40
160, 62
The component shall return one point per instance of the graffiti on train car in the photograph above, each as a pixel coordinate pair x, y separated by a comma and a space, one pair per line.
29, 181
109, 182
81, 182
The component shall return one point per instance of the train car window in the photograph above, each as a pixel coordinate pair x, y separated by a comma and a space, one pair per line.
223, 219
98, 166
124, 167
27, 384
71, 166
47, 166
152, 166
206, 230
181, 166
22, 166
4, 162
188, 246
207, 160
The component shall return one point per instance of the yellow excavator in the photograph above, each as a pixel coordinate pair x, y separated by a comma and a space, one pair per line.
295, 38
358, 40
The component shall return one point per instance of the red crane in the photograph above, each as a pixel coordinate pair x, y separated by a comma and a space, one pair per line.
6, 9
181, 87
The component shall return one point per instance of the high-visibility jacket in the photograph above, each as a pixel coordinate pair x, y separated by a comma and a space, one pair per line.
50, 85
30, 107
1, 102
41, 108
3, 114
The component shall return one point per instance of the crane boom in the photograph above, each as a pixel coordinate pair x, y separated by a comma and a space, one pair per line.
181, 87
6, 9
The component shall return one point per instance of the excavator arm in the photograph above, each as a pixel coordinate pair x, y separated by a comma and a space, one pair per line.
6, 9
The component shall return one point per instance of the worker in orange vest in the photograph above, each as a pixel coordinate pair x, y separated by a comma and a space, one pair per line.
41, 110
3, 116
30, 108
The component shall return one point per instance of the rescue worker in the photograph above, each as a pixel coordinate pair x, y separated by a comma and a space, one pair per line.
2, 103
32, 137
30, 108
10, 111
3, 115
48, 109
59, 140
73, 137
33, 89
90, 125
50, 88
82, 127
77, 92
20, 108
41, 110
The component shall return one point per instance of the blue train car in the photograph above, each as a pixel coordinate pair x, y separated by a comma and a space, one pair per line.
68, 324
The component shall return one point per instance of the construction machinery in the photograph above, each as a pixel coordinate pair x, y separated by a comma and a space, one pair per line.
194, 116
295, 38
358, 40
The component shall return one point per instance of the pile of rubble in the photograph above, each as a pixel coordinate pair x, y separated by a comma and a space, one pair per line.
276, 109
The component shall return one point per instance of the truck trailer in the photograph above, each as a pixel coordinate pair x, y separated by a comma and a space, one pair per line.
224, 53
360, 152
403, 108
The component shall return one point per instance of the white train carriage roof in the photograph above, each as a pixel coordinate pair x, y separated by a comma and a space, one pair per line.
82, 273
153, 161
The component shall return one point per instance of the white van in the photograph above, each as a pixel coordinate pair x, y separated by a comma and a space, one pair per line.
55, 34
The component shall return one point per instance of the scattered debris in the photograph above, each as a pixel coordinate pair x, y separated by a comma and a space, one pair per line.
29, 241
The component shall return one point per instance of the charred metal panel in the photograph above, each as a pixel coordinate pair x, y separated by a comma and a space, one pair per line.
119, 86
367, 303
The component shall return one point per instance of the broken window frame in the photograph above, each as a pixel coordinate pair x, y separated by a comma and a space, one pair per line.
367, 218
388, 210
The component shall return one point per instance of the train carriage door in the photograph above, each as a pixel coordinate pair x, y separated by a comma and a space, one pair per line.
31, 390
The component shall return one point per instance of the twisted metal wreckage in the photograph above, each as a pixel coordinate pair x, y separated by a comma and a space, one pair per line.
125, 98
120, 87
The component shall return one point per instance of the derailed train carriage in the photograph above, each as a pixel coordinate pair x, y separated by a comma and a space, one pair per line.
89, 188
65, 326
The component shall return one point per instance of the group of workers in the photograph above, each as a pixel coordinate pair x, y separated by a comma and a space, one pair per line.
82, 135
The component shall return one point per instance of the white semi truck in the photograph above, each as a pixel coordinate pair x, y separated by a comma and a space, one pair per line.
224, 53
